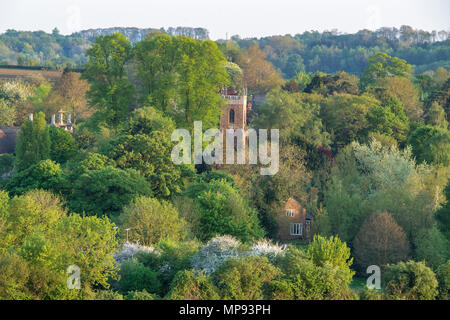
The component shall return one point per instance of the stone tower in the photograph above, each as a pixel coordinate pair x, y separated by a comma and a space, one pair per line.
234, 114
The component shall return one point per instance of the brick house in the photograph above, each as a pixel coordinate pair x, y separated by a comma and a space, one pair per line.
293, 221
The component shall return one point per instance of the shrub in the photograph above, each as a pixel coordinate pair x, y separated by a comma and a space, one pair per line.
432, 247
108, 295
333, 252
214, 253
151, 221
443, 275
130, 250
140, 295
192, 285
62, 145
135, 276
411, 281
244, 278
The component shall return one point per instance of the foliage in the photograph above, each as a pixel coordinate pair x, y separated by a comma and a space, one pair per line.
411, 281
151, 221
443, 275
33, 143
224, 211
381, 66
48, 241
134, 276
380, 241
182, 77
331, 251
244, 278
192, 285
259, 74
109, 91
62, 145
46, 175
432, 247
214, 253
106, 191
431, 145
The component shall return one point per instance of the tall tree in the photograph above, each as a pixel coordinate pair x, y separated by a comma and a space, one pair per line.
259, 74
33, 143
381, 66
110, 91
182, 77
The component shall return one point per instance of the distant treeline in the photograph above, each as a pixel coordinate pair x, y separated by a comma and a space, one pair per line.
311, 51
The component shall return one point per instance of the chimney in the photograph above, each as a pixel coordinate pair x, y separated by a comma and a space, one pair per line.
30, 117
53, 120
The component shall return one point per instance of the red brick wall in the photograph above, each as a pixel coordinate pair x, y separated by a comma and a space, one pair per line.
284, 222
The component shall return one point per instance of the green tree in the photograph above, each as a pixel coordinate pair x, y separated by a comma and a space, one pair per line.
151, 221
244, 278
182, 76
443, 214
110, 92
46, 175
224, 211
431, 145
62, 145
410, 280
436, 116
33, 143
331, 251
382, 65
106, 191
192, 285
432, 247
135, 276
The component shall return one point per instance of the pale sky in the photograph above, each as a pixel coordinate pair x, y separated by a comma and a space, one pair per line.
246, 18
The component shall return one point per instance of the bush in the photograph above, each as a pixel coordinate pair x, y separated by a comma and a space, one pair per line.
333, 252
62, 145
411, 281
214, 253
305, 280
244, 278
6, 163
108, 295
134, 276
140, 295
168, 258
443, 275
46, 175
130, 250
192, 285
432, 247
151, 221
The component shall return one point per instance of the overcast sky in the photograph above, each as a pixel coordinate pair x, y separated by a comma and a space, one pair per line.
246, 18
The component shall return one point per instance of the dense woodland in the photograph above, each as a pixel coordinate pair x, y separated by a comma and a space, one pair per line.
365, 147
310, 51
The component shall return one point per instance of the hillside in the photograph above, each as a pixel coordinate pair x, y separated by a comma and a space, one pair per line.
310, 51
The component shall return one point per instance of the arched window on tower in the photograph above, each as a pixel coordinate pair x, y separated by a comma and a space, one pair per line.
231, 116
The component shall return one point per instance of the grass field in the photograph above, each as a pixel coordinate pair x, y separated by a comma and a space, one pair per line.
11, 74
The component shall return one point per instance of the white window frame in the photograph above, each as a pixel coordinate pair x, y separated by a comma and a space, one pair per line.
290, 212
296, 229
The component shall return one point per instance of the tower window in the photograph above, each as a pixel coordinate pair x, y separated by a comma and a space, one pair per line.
231, 116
